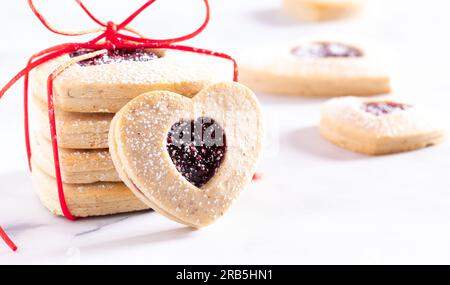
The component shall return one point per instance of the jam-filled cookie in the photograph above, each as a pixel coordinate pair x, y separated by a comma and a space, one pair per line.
318, 69
77, 166
84, 200
322, 10
188, 158
377, 126
107, 82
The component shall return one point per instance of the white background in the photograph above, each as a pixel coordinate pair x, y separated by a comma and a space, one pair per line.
316, 203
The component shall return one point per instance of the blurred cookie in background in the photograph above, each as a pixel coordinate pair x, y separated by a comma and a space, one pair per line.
378, 126
321, 10
314, 69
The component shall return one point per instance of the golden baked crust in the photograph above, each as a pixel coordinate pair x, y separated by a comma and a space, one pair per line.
74, 130
77, 166
84, 200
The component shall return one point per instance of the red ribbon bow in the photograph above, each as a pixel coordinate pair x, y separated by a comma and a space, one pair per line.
111, 37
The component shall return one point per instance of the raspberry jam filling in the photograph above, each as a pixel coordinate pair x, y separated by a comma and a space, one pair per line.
326, 49
115, 56
197, 148
383, 108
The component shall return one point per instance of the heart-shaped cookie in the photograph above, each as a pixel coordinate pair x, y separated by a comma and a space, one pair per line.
104, 84
378, 126
188, 158
317, 68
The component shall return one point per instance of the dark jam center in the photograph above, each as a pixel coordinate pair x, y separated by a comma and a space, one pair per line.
383, 108
197, 148
115, 56
326, 49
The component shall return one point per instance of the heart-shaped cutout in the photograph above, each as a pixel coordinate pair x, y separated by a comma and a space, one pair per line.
197, 148
188, 158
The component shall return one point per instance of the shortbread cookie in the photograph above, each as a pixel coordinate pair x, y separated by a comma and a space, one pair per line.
83, 200
75, 130
321, 10
188, 158
376, 126
77, 166
317, 69
107, 82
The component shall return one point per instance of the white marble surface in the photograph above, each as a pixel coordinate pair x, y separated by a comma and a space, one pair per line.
316, 204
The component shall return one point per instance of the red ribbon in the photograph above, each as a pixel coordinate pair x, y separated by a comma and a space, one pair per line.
7, 240
111, 36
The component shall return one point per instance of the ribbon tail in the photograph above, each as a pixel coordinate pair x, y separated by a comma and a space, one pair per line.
7, 240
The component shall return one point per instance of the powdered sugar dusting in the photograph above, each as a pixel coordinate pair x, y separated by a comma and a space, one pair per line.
142, 130
171, 67
351, 111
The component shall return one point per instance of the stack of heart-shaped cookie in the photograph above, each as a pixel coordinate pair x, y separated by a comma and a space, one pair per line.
87, 95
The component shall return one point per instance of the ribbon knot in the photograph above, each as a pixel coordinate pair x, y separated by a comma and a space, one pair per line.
111, 33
